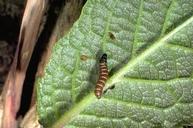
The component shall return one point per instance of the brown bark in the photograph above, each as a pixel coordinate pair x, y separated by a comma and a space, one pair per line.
28, 36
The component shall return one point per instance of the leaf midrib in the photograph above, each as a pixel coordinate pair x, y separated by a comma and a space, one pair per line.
90, 98
117, 77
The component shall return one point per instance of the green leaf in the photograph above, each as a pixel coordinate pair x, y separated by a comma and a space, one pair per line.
149, 44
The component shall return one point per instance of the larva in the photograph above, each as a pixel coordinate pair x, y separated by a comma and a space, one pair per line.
103, 74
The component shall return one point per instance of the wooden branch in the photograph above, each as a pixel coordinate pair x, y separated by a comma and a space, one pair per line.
27, 39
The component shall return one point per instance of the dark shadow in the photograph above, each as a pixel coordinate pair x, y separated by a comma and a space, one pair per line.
111, 36
119, 66
142, 48
9, 28
9, 33
109, 88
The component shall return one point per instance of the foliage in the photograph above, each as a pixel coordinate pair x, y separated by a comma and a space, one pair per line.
149, 45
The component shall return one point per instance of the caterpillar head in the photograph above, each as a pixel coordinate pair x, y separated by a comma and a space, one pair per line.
103, 58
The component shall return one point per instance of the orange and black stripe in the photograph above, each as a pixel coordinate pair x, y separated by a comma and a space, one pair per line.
103, 74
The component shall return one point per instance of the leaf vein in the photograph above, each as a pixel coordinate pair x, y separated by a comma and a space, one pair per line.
137, 27
77, 63
166, 18
116, 77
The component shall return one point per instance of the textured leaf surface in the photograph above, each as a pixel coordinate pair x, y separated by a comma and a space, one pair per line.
149, 45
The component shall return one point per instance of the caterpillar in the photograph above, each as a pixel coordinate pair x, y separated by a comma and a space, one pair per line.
103, 74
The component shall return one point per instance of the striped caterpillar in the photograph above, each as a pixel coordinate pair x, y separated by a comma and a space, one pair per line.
103, 74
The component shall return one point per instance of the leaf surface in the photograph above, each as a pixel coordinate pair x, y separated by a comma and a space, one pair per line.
150, 58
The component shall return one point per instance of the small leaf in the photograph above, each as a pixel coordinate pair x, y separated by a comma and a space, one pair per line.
150, 59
